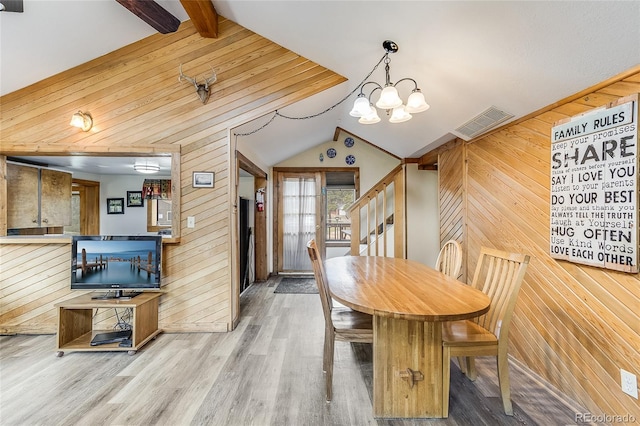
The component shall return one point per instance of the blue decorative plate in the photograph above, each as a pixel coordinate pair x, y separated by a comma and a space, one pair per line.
350, 159
348, 142
331, 152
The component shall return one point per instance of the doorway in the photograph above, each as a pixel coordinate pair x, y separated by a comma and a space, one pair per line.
86, 210
248, 230
300, 219
312, 204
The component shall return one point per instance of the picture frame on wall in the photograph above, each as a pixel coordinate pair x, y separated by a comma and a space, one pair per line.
115, 205
135, 199
203, 179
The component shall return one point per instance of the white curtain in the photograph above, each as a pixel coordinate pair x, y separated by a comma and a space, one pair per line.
299, 197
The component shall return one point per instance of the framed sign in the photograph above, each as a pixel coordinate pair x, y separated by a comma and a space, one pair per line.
115, 205
203, 179
134, 199
594, 187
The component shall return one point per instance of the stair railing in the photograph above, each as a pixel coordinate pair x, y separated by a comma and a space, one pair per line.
380, 210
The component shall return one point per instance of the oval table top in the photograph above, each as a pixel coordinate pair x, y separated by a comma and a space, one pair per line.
401, 288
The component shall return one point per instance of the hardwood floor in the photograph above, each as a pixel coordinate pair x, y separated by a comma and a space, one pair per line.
267, 372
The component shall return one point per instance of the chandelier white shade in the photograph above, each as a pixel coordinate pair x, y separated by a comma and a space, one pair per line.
399, 115
389, 99
371, 117
416, 102
360, 106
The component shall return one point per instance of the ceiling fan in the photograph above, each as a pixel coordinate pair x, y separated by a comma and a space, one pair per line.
11, 6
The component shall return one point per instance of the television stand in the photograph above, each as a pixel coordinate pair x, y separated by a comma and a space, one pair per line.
116, 294
75, 322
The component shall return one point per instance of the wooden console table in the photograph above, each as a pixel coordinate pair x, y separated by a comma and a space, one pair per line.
75, 322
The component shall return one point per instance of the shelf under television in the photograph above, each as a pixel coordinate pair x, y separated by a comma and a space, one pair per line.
75, 322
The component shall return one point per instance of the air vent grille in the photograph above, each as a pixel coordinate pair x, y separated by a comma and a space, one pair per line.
484, 121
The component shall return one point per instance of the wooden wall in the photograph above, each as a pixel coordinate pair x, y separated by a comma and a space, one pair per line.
451, 198
136, 101
574, 325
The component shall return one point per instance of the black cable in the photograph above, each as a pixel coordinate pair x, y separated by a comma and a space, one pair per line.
123, 323
306, 117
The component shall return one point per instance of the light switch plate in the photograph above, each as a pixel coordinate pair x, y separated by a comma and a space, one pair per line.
191, 222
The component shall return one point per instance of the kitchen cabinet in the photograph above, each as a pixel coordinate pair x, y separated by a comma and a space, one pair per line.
37, 198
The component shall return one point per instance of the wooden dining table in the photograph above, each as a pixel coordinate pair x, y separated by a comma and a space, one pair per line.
408, 301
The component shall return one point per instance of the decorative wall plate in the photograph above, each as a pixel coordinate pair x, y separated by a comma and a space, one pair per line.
350, 159
348, 142
321, 157
331, 152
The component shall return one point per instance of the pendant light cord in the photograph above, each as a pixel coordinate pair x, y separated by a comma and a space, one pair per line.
276, 113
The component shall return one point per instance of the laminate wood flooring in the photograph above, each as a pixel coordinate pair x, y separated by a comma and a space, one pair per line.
266, 372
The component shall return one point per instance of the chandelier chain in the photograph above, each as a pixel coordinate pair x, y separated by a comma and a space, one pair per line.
278, 114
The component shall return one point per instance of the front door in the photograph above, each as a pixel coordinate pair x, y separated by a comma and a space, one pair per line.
299, 219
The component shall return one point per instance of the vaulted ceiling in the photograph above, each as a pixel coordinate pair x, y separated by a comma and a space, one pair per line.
465, 56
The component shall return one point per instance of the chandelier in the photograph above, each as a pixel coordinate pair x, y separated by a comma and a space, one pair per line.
389, 99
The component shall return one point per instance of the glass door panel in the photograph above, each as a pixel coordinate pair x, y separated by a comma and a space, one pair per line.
299, 221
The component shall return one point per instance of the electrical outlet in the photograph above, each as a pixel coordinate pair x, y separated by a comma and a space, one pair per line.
191, 222
629, 383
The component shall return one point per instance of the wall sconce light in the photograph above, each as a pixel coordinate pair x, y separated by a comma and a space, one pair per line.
82, 120
146, 168
389, 99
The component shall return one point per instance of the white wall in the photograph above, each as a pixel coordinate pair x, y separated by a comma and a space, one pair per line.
423, 242
134, 219
423, 221
374, 164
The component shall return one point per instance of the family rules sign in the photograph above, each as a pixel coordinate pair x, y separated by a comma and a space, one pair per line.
594, 187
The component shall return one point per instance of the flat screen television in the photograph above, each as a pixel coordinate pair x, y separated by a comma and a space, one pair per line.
118, 264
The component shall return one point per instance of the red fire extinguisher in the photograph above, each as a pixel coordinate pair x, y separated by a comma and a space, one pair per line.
260, 199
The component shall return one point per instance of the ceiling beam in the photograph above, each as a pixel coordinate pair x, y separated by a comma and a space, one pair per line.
203, 16
153, 14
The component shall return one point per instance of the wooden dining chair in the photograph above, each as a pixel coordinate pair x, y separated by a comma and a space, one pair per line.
499, 275
341, 323
449, 259
449, 262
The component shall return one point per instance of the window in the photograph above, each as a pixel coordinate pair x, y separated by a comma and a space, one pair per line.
338, 229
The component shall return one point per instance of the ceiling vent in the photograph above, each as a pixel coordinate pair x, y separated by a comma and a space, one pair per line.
484, 121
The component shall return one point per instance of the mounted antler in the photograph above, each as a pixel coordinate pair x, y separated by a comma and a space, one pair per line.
202, 89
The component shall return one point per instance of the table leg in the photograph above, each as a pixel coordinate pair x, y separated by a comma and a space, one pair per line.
400, 345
